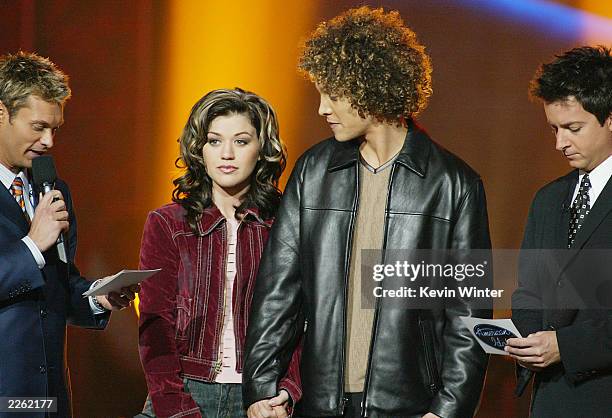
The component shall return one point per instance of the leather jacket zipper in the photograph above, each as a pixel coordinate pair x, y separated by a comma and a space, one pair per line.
347, 266
430, 361
377, 305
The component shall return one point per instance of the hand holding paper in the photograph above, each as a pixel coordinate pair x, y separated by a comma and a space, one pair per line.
116, 301
125, 278
535, 352
118, 291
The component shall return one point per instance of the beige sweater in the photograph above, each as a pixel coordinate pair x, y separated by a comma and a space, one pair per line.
368, 235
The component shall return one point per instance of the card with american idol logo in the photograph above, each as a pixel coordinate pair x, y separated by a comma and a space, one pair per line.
491, 334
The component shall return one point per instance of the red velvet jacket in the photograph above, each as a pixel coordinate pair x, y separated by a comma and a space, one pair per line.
182, 307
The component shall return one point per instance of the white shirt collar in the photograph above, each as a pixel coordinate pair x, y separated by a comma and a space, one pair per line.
599, 177
7, 177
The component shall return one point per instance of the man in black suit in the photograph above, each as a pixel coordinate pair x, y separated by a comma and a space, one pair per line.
39, 293
563, 298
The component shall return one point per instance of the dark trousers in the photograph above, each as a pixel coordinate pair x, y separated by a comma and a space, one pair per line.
352, 407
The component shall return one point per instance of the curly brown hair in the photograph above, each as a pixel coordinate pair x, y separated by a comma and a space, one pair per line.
371, 58
193, 189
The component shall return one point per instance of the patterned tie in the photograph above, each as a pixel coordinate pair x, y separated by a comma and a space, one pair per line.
17, 191
580, 209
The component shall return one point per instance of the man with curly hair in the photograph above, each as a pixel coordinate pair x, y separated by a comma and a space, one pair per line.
379, 183
568, 339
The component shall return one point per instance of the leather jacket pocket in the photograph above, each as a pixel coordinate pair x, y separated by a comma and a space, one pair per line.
434, 383
183, 315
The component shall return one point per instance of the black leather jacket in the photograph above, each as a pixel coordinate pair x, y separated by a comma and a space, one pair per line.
420, 360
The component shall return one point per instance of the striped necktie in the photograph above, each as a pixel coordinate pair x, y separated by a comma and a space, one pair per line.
17, 191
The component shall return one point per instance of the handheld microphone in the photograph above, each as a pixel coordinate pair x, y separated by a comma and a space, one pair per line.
44, 176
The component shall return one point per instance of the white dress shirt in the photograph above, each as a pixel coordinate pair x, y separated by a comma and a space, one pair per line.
599, 177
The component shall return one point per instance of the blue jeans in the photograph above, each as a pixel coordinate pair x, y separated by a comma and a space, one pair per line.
216, 400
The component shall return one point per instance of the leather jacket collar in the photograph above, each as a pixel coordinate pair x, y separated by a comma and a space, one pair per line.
414, 154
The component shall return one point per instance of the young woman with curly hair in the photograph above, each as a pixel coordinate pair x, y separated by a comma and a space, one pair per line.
208, 242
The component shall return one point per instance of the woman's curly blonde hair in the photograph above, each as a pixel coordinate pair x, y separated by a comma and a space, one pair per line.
370, 58
193, 189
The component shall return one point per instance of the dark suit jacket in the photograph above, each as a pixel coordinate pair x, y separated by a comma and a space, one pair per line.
567, 290
35, 306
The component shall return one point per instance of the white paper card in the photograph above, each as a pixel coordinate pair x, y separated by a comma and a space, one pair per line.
491, 334
122, 279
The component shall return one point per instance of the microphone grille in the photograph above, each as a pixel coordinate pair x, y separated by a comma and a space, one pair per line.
43, 171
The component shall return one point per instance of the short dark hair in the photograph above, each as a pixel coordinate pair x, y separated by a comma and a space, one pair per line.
584, 73
24, 74
372, 59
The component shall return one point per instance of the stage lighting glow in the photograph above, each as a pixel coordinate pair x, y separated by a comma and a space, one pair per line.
550, 18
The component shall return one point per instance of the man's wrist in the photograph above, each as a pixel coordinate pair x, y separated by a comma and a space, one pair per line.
96, 307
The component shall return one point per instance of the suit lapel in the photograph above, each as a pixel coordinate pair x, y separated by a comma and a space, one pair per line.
562, 256
557, 260
11, 210
564, 216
